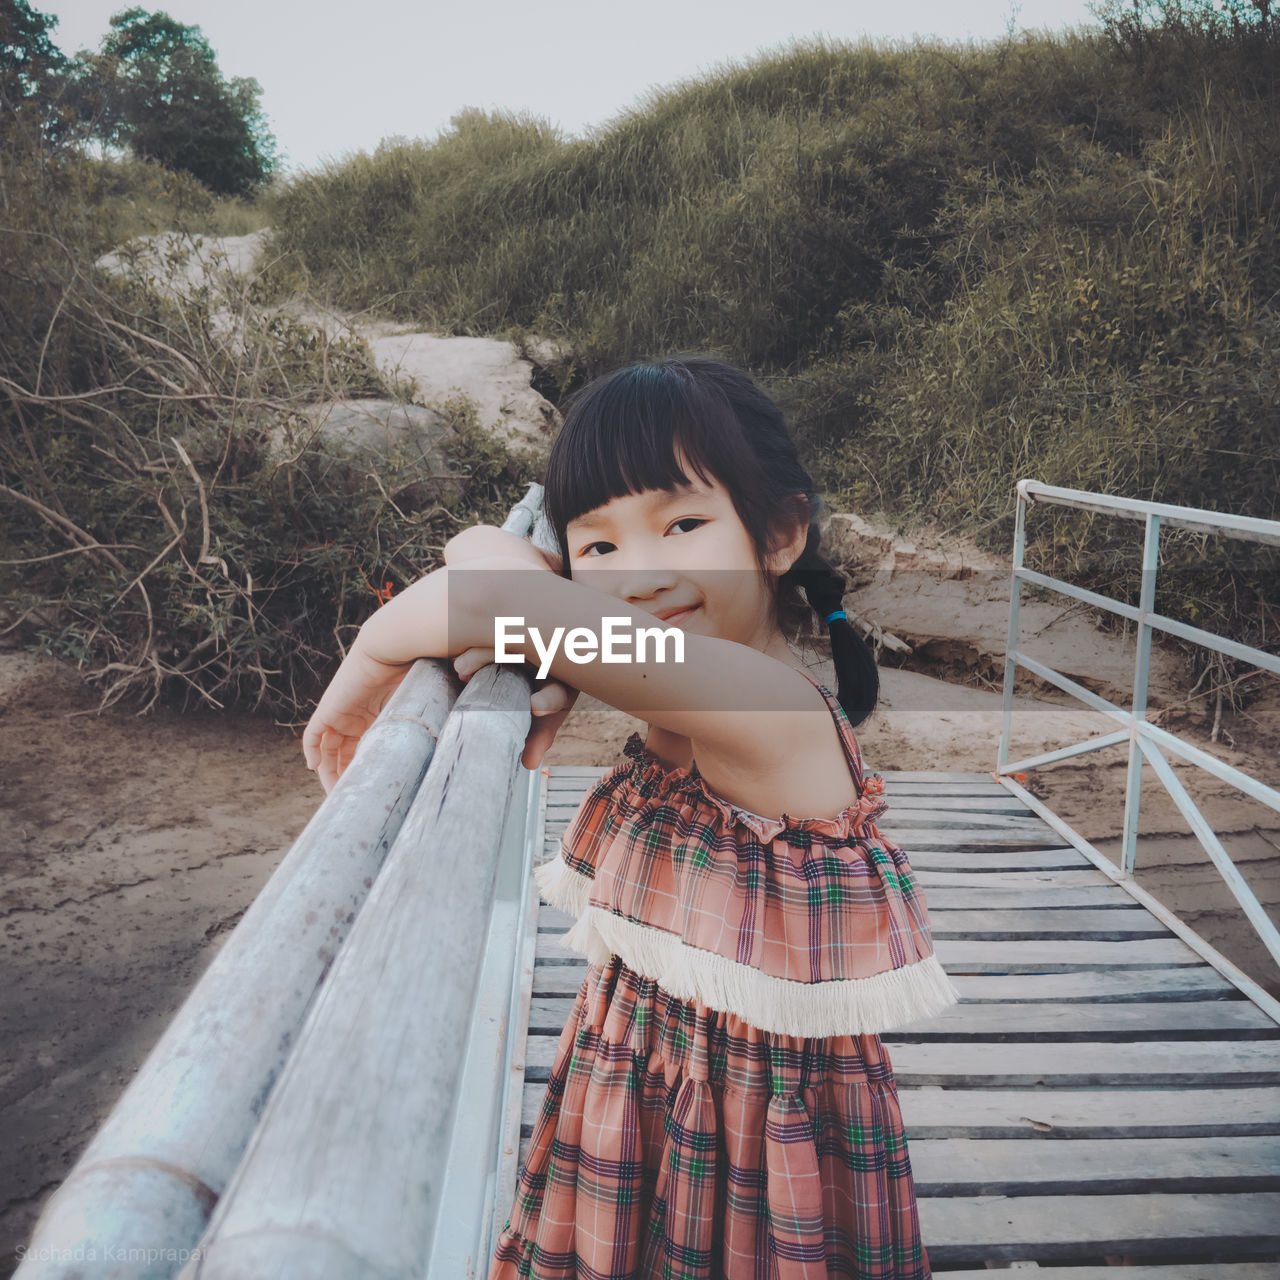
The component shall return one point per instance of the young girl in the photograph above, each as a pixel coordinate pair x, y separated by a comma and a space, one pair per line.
721, 1104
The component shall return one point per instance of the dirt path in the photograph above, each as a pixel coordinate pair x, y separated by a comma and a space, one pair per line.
129, 848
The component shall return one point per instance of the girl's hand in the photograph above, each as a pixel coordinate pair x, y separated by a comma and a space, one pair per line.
410, 625
348, 707
551, 700
549, 704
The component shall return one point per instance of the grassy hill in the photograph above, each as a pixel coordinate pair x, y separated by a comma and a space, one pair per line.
958, 265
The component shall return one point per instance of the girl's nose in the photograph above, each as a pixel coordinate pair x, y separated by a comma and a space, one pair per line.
644, 588
637, 583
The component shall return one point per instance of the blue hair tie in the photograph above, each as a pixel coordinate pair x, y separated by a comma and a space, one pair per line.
839, 613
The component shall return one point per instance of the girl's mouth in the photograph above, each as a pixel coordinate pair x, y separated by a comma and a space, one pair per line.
676, 618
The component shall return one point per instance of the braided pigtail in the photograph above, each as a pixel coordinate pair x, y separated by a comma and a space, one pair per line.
857, 675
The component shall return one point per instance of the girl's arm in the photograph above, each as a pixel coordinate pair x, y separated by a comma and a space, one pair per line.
483, 540
414, 624
714, 697
551, 700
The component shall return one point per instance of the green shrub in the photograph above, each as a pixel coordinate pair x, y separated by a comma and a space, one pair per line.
155, 526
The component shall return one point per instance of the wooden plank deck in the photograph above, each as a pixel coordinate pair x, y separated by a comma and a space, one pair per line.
1100, 1095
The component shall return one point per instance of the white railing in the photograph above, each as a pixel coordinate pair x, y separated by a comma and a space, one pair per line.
329, 1101
1146, 741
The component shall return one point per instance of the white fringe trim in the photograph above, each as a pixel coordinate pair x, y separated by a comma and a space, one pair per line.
843, 1006
561, 886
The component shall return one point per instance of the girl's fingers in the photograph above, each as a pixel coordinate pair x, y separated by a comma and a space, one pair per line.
550, 705
552, 697
542, 733
466, 664
330, 766
310, 747
329, 751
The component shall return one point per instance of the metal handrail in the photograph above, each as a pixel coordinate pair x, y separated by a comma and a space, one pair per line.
205, 1123
346, 1173
1145, 739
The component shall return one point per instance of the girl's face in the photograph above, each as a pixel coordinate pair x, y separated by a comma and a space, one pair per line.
685, 556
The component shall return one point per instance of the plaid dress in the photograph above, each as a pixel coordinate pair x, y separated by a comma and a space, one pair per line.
721, 1105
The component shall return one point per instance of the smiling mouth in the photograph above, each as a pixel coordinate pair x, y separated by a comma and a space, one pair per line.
676, 618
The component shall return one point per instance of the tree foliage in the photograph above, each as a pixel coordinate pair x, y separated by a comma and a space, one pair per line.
155, 87
1152, 30
1149, 14
28, 57
33, 73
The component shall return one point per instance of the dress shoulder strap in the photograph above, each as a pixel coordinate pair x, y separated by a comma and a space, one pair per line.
852, 752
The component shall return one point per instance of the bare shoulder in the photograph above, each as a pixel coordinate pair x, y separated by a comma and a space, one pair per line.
792, 763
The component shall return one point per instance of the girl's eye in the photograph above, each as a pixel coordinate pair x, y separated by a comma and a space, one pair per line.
586, 551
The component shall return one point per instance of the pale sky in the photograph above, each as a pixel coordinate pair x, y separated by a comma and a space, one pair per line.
338, 78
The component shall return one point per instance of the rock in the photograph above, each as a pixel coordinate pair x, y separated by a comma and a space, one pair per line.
867, 549
375, 425
178, 263
905, 556
548, 351
179, 266
487, 370
850, 541
376, 428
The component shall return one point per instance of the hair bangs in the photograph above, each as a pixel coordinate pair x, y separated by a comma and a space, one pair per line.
624, 434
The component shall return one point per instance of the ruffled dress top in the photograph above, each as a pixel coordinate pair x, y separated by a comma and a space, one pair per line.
800, 926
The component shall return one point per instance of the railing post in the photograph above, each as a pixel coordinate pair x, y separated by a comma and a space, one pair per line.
1141, 675
1015, 598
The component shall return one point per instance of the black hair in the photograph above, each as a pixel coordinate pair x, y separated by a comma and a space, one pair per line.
620, 436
